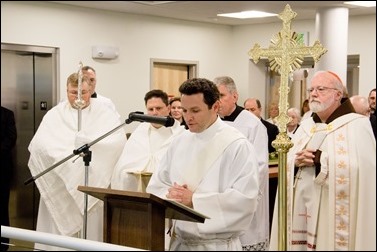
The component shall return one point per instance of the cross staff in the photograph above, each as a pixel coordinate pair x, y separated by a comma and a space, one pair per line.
285, 54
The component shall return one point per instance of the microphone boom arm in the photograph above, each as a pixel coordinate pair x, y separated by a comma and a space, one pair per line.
77, 151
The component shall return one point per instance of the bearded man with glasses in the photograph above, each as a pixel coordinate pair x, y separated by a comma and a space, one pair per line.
331, 175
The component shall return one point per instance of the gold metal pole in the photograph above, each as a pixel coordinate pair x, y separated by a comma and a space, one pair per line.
282, 144
285, 54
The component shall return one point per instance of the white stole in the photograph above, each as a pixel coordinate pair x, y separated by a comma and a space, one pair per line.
215, 147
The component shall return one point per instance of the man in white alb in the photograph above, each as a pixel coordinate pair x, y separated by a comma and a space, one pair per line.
146, 146
62, 205
211, 168
257, 237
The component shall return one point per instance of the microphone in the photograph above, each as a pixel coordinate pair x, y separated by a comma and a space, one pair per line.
167, 121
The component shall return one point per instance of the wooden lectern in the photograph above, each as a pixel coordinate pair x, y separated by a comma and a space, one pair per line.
137, 219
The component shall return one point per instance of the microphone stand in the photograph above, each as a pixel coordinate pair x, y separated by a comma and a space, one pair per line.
87, 156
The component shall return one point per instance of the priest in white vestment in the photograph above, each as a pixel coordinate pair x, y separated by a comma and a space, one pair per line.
145, 146
257, 237
331, 175
61, 205
211, 168
141, 154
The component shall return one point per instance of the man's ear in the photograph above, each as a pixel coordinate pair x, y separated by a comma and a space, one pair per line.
216, 106
235, 96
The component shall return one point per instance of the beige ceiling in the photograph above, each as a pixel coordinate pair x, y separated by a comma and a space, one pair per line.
205, 11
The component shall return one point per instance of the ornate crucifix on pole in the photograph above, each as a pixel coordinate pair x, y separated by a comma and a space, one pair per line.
285, 54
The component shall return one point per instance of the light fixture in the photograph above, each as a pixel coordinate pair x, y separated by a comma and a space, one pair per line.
105, 52
247, 14
362, 3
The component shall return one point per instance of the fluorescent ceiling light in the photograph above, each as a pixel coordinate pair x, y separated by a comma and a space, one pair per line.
247, 14
363, 3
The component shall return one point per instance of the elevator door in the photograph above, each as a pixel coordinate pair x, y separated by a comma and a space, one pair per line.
28, 88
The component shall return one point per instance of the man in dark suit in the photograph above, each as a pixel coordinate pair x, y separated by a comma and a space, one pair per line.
254, 106
8, 141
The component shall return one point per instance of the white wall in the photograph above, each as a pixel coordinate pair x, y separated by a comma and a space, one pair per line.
220, 50
362, 41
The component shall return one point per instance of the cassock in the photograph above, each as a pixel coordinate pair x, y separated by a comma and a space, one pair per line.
61, 204
257, 237
141, 154
332, 207
220, 166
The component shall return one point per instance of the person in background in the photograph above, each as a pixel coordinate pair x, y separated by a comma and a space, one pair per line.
61, 205
212, 168
146, 145
294, 123
176, 110
361, 106
372, 101
92, 76
145, 148
305, 107
305, 110
254, 106
257, 237
8, 142
273, 112
331, 175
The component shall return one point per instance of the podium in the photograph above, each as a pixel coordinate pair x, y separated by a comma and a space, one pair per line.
137, 219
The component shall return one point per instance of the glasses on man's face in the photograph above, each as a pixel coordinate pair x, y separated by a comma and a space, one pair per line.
74, 92
320, 90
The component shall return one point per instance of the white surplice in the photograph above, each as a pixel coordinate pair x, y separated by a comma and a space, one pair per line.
220, 166
335, 210
62, 205
257, 237
142, 153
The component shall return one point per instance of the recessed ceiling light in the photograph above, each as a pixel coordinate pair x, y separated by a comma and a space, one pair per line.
247, 14
363, 3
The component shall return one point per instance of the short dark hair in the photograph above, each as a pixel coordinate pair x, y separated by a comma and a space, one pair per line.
201, 85
157, 93
86, 68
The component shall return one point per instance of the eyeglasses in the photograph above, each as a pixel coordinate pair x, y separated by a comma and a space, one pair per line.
74, 92
320, 90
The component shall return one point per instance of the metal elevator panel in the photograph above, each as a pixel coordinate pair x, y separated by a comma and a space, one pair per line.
29, 89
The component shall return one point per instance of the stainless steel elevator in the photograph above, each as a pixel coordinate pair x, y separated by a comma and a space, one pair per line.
28, 88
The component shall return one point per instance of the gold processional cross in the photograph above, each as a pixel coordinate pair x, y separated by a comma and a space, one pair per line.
285, 54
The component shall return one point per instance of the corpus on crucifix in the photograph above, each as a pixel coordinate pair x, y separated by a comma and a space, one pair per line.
285, 54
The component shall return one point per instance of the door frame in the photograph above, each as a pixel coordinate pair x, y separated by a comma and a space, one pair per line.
192, 67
